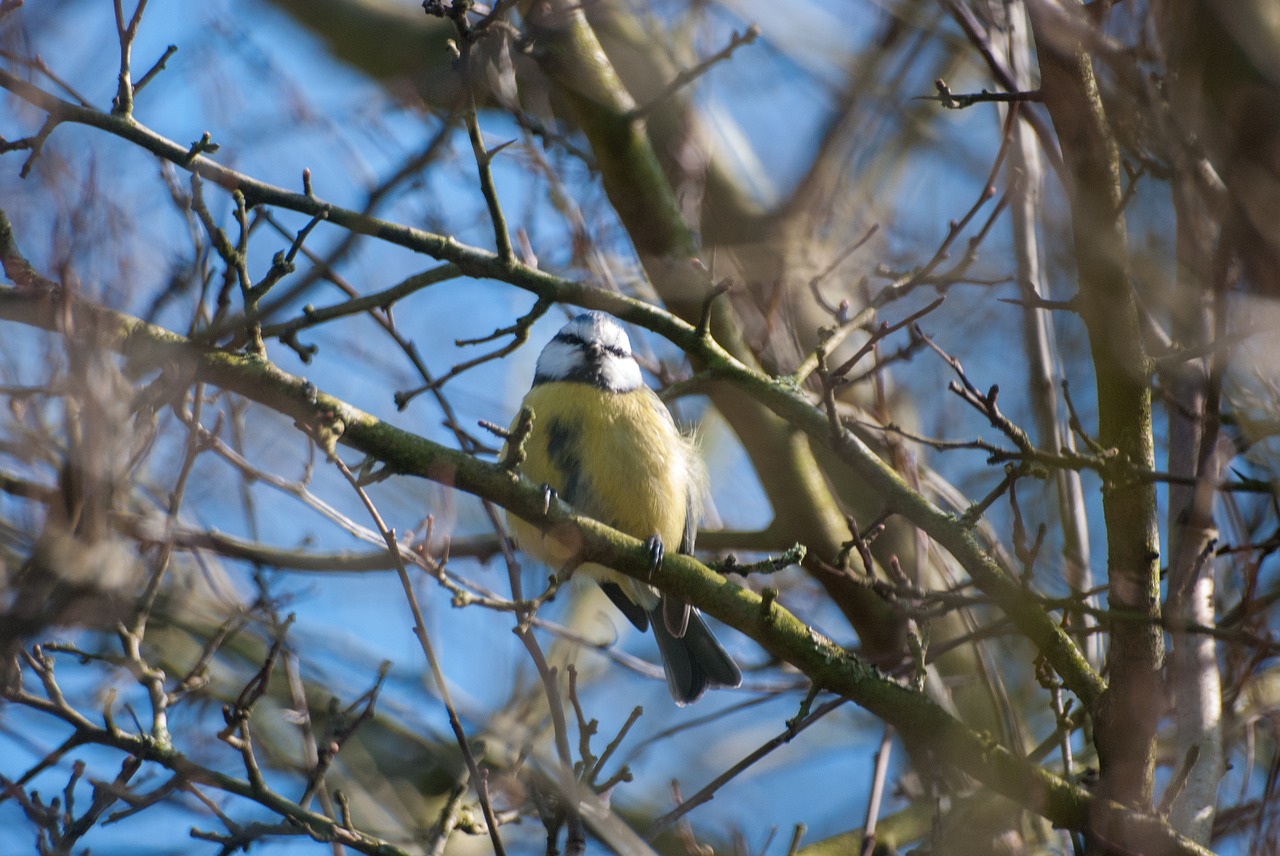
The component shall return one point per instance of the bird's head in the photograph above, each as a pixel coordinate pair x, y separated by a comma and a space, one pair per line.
594, 349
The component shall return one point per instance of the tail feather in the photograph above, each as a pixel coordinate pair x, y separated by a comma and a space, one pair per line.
695, 661
675, 614
634, 612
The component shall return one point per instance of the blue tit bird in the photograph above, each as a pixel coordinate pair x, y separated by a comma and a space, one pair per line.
606, 443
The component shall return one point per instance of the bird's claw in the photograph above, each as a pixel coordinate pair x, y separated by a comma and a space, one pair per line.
548, 494
656, 551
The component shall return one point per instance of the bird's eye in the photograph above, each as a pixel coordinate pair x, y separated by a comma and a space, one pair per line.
573, 340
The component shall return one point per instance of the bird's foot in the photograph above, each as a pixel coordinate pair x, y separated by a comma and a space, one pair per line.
656, 551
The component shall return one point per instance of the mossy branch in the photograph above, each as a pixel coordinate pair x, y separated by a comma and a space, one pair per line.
783, 634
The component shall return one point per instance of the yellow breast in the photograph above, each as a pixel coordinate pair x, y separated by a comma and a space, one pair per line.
616, 457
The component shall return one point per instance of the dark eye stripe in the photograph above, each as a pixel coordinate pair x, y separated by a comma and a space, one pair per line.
577, 341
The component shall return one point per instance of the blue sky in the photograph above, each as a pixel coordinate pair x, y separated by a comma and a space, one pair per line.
267, 91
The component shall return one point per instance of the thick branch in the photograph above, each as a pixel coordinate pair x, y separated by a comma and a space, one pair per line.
780, 632
641, 194
745, 396
1126, 717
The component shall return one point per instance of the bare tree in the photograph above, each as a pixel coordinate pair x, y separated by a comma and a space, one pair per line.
972, 304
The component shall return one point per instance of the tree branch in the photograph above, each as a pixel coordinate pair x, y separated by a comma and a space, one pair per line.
828, 665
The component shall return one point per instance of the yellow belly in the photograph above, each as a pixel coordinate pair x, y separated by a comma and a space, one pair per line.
616, 457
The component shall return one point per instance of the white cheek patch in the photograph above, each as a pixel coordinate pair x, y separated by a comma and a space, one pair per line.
559, 360
620, 375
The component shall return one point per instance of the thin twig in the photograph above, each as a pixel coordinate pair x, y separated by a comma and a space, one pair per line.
954, 101
877, 791
123, 103
155, 69
424, 640
794, 727
687, 76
